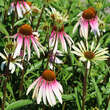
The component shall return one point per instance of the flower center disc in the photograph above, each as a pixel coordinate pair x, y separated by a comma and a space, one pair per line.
48, 75
25, 29
89, 13
29, 3
89, 55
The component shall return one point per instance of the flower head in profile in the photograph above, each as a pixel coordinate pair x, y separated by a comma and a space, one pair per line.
54, 58
88, 17
21, 7
58, 32
13, 62
90, 54
24, 36
46, 87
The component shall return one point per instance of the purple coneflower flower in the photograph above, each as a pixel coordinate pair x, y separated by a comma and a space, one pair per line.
58, 32
21, 6
89, 17
46, 87
26, 35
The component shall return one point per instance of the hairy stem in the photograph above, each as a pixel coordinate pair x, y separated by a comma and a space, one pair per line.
84, 88
5, 83
40, 18
22, 80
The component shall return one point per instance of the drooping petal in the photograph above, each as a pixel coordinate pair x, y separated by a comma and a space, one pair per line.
84, 28
52, 40
48, 95
59, 86
4, 57
19, 45
63, 41
57, 92
32, 86
23, 9
19, 11
94, 26
2, 65
58, 61
28, 47
40, 94
40, 46
35, 47
52, 96
76, 26
27, 6
44, 92
19, 65
56, 44
88, 64
12, 67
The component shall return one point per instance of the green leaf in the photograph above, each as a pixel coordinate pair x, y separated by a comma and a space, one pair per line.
20, 22
3, 29
68, 97
99, 96
108, 106
77, 99
18, 104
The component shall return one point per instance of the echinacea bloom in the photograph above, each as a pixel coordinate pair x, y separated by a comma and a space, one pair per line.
90, 54
46, 87
21, 6
54, 58
13, 62
89, 17
24, 36
58, 33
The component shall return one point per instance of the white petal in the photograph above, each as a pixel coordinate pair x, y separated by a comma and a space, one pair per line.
57, 93
32, 86
56, 45
53, 100
57, 60
4, 57
12, 67
48, 95
35, 47
19, 11
59, 86
76, 26
63, 41
40, 94
2, 65
44, 93
88, 65
19, 65
19, 45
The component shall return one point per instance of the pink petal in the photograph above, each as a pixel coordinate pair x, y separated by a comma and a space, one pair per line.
48, 95
56, 92
84, 28
44, 93
63, 41
26, 6
19, 11
19, 45
94, 26
28, 47
35, 46
32, 86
